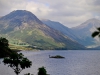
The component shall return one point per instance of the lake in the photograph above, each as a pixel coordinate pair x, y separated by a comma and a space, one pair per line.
76, 62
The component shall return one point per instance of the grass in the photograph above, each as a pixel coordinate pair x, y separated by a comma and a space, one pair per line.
33, 37
20, 47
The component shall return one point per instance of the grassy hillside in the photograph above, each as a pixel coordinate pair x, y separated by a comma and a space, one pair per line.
22, 27
35, 38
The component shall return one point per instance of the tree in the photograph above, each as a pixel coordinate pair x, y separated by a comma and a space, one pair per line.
28, 74
3, 42
4, 47
17, 62
42, 71
96, 33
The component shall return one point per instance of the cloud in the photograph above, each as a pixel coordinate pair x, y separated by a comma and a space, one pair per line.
8, 6
69, 12
94, 2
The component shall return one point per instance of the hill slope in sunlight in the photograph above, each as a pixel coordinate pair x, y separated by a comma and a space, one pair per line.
24, 26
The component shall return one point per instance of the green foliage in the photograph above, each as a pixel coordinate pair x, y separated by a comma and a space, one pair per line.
4, 47
57, 56
17, 62
43, 41
3, 42
95, 34
28, 74
42, 71
35, 37
20, 47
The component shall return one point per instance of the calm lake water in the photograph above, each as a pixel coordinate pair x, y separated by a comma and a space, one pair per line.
76, 62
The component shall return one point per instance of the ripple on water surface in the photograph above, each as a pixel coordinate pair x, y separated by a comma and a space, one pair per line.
75, 63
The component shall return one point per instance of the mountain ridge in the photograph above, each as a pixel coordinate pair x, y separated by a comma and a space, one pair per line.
60, 27
85, 30
24, 26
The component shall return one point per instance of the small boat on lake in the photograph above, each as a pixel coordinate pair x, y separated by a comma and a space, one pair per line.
57, 56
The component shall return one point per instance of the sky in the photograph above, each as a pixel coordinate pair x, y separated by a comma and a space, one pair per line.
70, 13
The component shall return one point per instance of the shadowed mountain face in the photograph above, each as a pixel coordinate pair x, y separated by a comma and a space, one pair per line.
24, 26
60, 27
19, 19
85, 30
22, 15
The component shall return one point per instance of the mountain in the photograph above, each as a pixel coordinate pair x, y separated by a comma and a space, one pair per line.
60, 27
85, 30
22, 26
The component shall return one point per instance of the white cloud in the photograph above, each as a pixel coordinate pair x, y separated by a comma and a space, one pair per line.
69, 12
